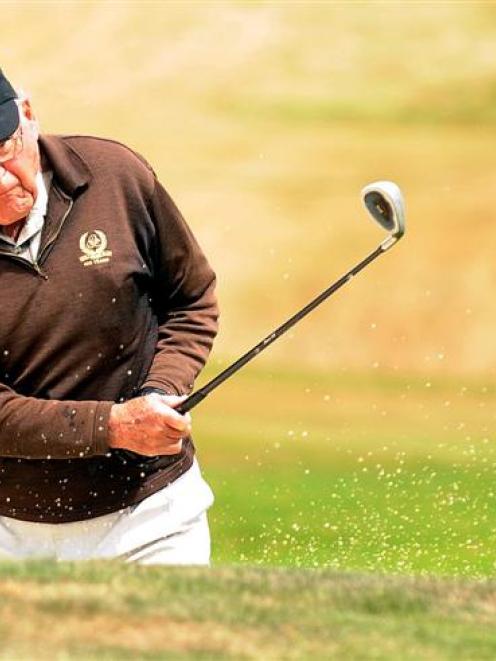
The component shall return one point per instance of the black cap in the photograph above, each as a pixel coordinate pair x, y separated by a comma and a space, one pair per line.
9, 113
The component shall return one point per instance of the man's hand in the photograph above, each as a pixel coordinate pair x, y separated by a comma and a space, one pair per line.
149, 425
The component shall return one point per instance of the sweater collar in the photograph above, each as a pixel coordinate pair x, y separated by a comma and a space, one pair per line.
69, 168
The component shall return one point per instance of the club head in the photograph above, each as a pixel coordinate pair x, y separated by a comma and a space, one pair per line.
384, 201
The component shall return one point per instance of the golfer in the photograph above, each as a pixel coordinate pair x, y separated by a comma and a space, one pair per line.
107, 314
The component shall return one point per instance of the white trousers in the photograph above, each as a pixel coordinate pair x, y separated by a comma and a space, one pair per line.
169, 527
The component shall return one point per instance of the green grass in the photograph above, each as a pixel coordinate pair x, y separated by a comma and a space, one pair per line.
426, 521
107, 611
354, 473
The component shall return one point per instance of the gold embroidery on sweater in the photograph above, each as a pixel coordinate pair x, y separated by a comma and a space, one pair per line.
94, 246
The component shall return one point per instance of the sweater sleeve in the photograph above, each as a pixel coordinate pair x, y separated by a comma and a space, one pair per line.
32, 428
183, 298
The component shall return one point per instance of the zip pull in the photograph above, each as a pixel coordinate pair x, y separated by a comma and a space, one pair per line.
39, 271
34, 261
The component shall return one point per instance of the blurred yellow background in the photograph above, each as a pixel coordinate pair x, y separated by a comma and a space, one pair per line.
264, 120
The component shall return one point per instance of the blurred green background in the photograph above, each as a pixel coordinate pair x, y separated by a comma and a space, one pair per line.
365, 438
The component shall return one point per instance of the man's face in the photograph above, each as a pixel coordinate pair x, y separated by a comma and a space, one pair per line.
18, 189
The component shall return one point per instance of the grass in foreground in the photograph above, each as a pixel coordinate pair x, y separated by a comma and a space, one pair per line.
110, 611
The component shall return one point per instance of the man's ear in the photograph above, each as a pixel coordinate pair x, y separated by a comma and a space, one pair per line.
27, 113
27, 109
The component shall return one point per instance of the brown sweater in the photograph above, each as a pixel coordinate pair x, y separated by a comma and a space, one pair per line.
121, 298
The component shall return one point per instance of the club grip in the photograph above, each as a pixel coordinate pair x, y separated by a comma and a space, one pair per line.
190, 402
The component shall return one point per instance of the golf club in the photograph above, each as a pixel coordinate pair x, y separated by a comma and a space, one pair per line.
384, 201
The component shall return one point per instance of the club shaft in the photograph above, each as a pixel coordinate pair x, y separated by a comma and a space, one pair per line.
196, 397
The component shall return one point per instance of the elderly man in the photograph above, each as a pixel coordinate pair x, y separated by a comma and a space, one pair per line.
107, 314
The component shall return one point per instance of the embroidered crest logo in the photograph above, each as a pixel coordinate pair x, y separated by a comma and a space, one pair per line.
94, 248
